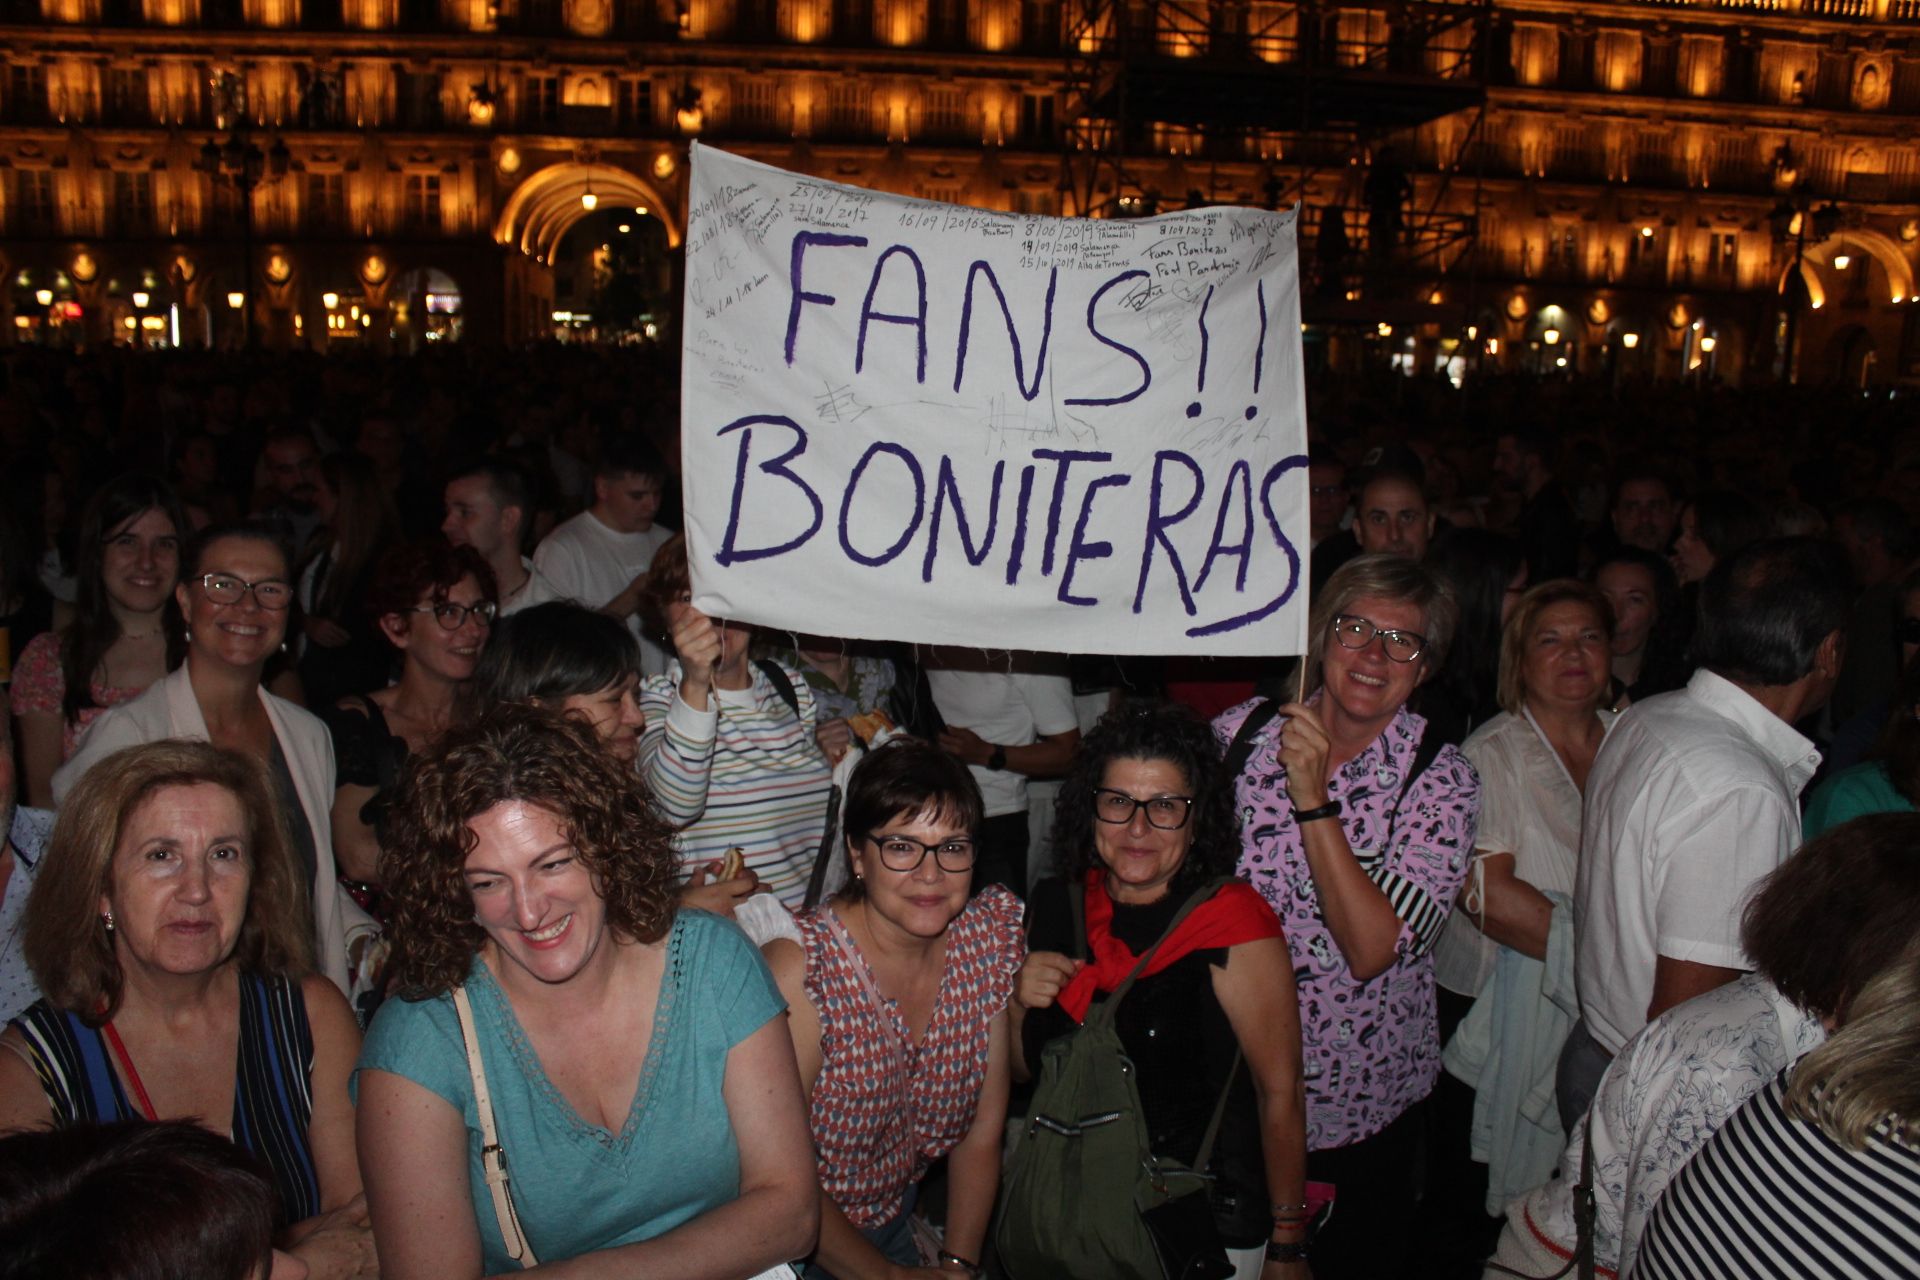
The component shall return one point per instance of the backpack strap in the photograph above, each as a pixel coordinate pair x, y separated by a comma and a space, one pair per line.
1077, 903
1241, 749
777, 677
1425, 754
829, 842
1219, 1113
1187, 908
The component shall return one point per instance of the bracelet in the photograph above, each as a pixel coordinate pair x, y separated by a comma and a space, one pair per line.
946, 1257
1331, 809
997, 760
1290, 1210
1293, 1252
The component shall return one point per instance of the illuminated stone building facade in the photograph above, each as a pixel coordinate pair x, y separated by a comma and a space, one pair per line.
1658, 187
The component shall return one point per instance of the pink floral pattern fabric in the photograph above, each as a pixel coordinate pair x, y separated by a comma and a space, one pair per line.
1371, 1048
884, 1109
40, 684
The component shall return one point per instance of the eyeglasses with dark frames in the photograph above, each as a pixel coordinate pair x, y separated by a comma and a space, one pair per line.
1355, 632
904, 853
223, 588
1168, 813
452, 615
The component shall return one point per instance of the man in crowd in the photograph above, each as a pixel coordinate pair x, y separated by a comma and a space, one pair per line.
291, 461
1523, 462
1393, 514
600, 557
487, 509
1695, 796
1644, 511
1009, 719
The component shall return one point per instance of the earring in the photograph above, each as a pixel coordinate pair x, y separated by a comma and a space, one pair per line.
189, 631
106, 918
283, 646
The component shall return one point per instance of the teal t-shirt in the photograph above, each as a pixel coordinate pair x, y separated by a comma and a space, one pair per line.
1849, 794
578, 1187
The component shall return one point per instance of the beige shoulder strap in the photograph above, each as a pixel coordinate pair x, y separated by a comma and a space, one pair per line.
493, 1157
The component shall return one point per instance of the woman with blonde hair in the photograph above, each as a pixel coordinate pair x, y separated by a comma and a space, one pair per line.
1819, 1173
168, 932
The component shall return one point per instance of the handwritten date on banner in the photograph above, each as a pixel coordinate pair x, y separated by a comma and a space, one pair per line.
914, 421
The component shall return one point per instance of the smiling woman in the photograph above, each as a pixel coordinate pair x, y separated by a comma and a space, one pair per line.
640, 1078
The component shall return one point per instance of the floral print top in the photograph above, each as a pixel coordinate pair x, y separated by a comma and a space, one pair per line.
40, 684
1371, 1048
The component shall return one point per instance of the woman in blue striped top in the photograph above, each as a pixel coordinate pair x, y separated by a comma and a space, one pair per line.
169, 931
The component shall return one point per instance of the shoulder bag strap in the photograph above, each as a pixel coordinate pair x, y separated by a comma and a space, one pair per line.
829, 842
1242, 748
777, 677
493, 1157
1219, 1113
1187, 908
1423, 755
1583, 1227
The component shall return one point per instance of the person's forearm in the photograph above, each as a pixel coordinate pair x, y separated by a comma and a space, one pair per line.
742, 1237
1041, 759
676, 758
1357, 913
1517, 915
973, 1182
1283, 1148
1016, 1048
843, 1250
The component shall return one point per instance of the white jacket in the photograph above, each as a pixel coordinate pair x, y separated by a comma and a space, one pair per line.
168, 709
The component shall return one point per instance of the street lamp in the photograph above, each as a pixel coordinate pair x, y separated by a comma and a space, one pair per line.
239, 162
1790, 220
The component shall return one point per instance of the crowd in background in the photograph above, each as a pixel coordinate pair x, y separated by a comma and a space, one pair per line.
401, 790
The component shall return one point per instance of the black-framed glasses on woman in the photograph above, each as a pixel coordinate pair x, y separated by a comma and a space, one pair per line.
1169, 813
1356, 632
224, 588
452, 616
904, 853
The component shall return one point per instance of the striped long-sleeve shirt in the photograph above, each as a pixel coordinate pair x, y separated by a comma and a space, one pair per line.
744, 772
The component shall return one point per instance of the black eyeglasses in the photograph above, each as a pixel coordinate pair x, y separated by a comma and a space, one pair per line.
224, 588
1169, 813
1355, 632
904, 853
452, 616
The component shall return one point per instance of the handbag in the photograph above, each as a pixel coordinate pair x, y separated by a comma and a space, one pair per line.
1583, 1214
1185, 1232
493, 1156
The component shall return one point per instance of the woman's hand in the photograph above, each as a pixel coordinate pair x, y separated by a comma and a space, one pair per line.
339, 1245
1304, 747
696, 642
721, 897
1042, 976
325, 632
834, 737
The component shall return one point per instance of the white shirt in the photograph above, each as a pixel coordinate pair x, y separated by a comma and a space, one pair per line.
1693, 798
537, 589
1530, 808
588, 562
1663, 1097
1009, 709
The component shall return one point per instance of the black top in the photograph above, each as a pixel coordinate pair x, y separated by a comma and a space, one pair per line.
1173, 1028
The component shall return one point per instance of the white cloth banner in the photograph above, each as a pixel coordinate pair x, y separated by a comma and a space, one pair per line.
904, 420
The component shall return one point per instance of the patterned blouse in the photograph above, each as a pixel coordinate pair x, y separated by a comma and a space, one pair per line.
884, 1109
40, 684
1372, 1049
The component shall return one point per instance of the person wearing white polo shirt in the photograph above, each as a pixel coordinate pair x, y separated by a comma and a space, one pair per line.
1694, 797
1009, 718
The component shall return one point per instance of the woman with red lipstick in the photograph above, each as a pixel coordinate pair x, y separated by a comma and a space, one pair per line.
1143, 821
235, 595
897, 999
1356, 828
125, 633
637, 1072
168, 931
435, 605
1533, 759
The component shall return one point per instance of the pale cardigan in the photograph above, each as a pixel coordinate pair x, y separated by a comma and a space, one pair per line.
168, 709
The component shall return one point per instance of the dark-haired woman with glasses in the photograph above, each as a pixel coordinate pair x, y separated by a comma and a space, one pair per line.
1358, 830
1143, 821
234, 595
435, 605
897, 999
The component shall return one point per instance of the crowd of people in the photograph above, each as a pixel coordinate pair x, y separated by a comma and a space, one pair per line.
403, 878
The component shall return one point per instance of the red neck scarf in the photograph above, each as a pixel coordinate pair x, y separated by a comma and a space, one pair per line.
1234, 915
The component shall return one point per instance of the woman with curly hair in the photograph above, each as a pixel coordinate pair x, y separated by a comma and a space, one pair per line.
1143, 822
640, 1078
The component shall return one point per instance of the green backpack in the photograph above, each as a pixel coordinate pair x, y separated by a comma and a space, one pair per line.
1082, 1171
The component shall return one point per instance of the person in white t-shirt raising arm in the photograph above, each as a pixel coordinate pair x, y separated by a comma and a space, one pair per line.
601, 556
